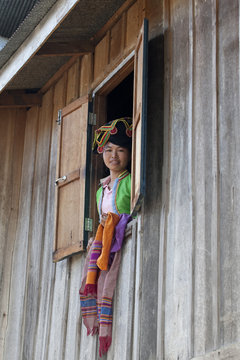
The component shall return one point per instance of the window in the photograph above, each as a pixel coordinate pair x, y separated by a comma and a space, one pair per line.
124, 89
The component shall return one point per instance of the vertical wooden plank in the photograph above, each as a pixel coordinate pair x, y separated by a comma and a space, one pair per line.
132, 28
12, 128
48, 269
86, 74
116, 39
122, 304
153, 245
137, 306
37, 225
229, 149
161, 286
166, 173
76, 345
178, 300
74, 323
17, 288
205, 180
101, 56
57, 333
73, 82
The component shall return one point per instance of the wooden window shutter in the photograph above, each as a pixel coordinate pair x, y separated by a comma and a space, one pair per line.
71, 183
139, 120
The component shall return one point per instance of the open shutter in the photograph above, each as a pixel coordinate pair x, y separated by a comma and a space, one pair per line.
139, 120
71, 180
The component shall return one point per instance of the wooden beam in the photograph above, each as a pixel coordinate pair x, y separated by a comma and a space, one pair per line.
65, 48
19, 99
35, 40
58, 74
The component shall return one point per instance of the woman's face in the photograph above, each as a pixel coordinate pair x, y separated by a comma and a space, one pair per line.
115, 157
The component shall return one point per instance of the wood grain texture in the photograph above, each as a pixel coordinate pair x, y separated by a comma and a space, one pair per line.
12, 127
48, 269
86, 74
58, 319
201, 138
228, 352
183, 249
70, 194
153, 224
37, 225
205, 175
122, 304
15, 318
62, 72
229, 168
137, 304
178, 291
117, 39
132, 25
72, 90
101, 56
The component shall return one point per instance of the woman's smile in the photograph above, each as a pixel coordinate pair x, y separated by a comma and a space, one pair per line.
114, 161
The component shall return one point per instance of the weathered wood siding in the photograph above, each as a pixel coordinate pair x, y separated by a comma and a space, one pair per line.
199, 284
178, 290
12, 128
40, 307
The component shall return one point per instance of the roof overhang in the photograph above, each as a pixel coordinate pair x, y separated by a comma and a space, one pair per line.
66, 29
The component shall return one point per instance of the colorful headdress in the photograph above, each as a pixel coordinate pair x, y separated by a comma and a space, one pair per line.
118, 132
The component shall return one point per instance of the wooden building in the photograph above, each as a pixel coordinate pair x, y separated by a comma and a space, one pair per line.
178, 291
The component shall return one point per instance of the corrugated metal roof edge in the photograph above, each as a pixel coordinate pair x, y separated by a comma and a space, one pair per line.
40, 9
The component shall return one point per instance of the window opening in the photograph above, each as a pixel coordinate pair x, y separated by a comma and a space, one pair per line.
120, 99
119, 103
111, 102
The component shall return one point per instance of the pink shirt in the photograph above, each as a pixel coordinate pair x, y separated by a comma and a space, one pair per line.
107, 198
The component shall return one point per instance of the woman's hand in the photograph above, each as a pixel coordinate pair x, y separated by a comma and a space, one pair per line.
103, 219
90, 241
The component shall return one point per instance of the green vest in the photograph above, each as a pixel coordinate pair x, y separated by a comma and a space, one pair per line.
121, 195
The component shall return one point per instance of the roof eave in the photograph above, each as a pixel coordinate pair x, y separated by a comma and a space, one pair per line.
35, 40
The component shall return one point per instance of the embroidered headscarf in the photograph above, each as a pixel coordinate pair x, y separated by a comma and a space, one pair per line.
118, 132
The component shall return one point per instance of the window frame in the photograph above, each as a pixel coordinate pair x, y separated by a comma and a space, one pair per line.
97, 105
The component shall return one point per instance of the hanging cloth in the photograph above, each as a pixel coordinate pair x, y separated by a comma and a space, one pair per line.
99, 280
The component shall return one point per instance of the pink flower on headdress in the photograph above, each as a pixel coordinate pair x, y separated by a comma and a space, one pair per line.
113, 131
100, 149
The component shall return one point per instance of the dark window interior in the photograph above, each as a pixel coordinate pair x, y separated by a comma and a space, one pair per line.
120, 104
120, 99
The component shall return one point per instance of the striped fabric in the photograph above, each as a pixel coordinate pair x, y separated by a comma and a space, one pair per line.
105, 312
96, 306
89, 306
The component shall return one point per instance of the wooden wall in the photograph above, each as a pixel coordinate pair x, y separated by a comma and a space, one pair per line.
12, 128
40, 307
178, 290
199, 270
